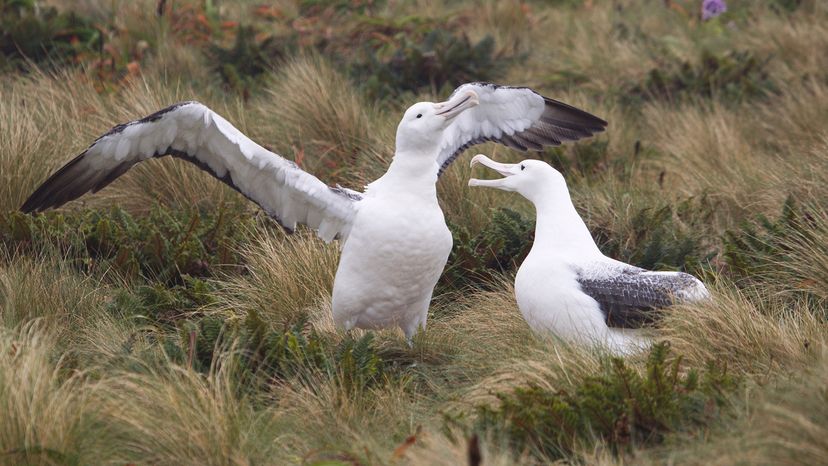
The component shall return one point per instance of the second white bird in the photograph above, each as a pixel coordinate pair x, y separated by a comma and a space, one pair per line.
566, 285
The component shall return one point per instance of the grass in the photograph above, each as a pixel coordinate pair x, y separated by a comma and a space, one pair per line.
165, 320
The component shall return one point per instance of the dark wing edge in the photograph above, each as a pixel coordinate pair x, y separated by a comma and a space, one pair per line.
74, 178
635, 297
559, 122
97, 167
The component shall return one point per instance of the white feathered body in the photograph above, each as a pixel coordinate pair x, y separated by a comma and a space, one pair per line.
549, 297
550, 284
390, 263
551, 300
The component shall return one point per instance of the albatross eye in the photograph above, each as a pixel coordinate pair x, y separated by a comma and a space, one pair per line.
419, 115
522, 167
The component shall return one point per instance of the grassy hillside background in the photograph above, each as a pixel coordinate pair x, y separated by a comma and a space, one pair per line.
166, 320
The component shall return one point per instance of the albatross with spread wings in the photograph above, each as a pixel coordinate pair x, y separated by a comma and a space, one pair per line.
396, 242
565, 284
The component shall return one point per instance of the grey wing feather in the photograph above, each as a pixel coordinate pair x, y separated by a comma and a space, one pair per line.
517, 117
633, 297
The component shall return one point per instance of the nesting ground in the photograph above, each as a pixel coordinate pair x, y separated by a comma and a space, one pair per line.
165, 320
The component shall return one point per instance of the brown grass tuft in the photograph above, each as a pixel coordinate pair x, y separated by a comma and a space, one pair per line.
755, 334
287, 278
49, 417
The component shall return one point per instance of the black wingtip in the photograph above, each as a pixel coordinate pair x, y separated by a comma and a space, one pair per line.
66, 184
568, 115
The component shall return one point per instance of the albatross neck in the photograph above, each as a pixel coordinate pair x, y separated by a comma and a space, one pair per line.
409, 174
558, 227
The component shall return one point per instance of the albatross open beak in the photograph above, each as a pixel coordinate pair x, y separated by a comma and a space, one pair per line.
457, 104
505, 169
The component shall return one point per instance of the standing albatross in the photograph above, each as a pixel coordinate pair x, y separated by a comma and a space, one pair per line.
396, 242
566, 284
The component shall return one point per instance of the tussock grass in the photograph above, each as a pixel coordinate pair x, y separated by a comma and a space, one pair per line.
322, 420
172, 415
48, 291
286, 279
482, 330
806, 262
40, 117
325, 124
792, 424
713, 151
437, 450
755, 333
49, 417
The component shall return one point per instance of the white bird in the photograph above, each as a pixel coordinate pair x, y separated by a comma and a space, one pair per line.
396, 242
566, 285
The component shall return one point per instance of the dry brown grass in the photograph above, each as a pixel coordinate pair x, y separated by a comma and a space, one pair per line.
40, 117
49, 417
287, 278
747, 157
793, 425
320, 419
325, 124
758, 335
805, 267
172, 415
718, 152
49, 291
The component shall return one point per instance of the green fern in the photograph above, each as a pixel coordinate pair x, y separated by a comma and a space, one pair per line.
501, 246
620, 407
164, 246
663, 236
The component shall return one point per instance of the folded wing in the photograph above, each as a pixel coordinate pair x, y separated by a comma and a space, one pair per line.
192, 132
630, 297
517, 117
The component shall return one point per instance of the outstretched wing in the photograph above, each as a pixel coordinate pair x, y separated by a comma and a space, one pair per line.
629, 296
192, 132
517, 117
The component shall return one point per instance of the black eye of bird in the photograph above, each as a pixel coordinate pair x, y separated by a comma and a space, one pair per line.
419, 115
522, 167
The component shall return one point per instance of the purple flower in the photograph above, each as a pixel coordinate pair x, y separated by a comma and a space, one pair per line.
712, 8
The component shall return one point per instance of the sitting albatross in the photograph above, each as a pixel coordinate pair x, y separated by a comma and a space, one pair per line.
396, 242
566, 284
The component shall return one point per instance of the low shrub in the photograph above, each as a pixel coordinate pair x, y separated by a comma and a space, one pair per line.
500, 247
619, 407
268, 356
162, 304
733, 76
663, 237
164, 246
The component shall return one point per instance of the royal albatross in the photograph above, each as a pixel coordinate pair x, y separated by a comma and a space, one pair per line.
396, 242
566, 285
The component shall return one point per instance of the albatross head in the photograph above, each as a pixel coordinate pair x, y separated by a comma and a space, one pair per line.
422, 125
533, 179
